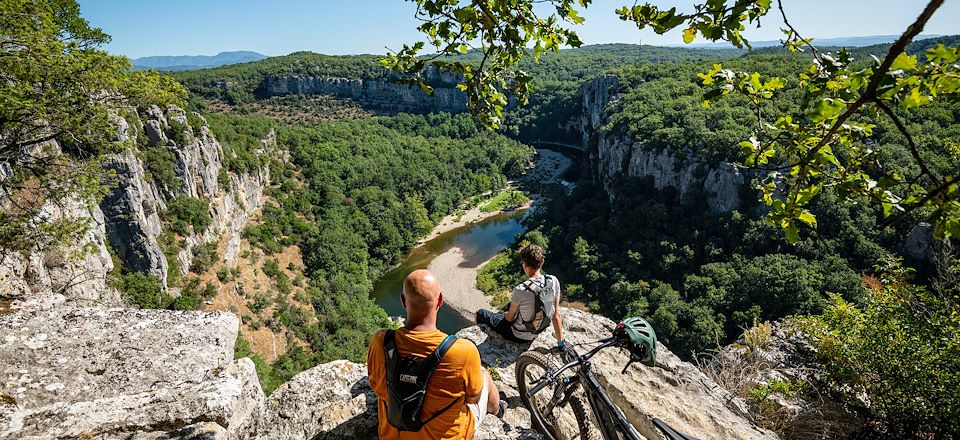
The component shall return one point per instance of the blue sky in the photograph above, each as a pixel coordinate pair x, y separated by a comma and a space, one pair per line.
277, 27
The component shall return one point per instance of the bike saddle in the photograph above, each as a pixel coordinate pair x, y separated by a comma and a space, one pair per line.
671, 433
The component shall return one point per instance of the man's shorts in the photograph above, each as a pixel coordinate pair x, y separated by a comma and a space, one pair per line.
479, 409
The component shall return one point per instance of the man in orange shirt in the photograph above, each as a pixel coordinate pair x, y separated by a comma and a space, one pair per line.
459, 393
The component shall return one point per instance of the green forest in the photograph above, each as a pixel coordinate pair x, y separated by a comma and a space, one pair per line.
842, 239
355, 195
352, 201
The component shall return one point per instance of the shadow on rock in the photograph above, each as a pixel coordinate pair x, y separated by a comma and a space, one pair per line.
494, 349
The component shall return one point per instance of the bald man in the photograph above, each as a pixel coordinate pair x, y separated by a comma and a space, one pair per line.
460, 392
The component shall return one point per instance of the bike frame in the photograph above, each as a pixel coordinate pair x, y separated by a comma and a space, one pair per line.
610, 418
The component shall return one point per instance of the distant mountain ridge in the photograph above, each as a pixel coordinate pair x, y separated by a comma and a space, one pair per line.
868, 40
192, 62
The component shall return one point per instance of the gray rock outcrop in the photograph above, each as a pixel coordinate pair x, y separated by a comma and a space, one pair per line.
777, 353
920, 242
133, 206
379, 93
53, 272
133, 224
77, 272
615, 155
69, 372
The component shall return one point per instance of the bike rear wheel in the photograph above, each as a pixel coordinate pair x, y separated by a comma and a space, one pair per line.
558, 411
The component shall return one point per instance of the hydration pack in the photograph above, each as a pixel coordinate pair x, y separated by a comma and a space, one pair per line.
407, 380
543, 307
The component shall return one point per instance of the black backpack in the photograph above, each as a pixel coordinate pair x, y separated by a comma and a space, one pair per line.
543, 306
407, 380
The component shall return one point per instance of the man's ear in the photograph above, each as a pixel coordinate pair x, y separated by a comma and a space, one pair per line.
403, 300
439, 300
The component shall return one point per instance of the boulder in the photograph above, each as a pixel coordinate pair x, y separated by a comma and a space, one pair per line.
335, 401
108, 373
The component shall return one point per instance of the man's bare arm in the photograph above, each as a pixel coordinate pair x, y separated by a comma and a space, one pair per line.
512, 312
557, 320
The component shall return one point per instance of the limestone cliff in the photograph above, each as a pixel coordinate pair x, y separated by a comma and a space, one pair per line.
75, 272
132, 206
128, 218
382, 94
614, 154
164, 374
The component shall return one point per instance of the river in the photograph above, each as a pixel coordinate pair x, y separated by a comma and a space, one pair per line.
480, 242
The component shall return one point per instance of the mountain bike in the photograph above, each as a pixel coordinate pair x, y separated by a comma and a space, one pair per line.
557, 410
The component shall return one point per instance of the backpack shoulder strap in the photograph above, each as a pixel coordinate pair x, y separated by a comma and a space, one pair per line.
431, 363
390, 354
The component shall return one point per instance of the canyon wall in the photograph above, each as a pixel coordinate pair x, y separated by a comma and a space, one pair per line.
128, 219
382, 94
614, 155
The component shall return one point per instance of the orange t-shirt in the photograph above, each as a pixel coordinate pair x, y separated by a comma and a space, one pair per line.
458, 376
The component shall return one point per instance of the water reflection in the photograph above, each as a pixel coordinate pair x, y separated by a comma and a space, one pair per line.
479, 242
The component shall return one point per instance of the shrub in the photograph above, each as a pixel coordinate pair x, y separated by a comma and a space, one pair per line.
180, 132
223, 274
271, 268
223, 180
283, 284
204, 257
185, 214
901, 348
161, 167
144, 291
260, 302
191, 296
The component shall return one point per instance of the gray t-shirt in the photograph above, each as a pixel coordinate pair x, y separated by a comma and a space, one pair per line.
527, 303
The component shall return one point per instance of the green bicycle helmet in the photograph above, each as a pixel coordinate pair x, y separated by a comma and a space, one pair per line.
643, 340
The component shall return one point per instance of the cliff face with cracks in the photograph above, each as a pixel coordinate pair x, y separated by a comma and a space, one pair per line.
613, 155
378, 93
166, 374
133, 206
128, 218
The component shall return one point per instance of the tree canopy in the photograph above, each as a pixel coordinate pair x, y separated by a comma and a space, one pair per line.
56, 85
820, 144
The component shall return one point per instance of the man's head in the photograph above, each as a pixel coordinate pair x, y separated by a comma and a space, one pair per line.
421, 297
531, 256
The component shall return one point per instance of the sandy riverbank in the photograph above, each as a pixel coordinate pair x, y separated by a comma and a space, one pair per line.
459, 282
548, 167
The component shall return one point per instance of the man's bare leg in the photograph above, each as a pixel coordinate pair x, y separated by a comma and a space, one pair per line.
493, 398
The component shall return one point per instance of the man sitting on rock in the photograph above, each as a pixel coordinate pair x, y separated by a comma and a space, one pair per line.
456, 392
533, 305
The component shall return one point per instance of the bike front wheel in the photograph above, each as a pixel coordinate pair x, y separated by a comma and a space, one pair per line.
558, 410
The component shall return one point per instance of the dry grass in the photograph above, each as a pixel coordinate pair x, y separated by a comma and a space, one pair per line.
745, 372
238, 293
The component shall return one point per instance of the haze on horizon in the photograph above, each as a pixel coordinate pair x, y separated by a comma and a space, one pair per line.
181, 27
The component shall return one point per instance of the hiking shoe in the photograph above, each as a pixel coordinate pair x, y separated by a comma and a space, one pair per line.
502, 410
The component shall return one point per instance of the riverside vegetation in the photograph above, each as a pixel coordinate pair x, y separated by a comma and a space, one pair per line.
354, 195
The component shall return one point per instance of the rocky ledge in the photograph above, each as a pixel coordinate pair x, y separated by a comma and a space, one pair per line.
147, 374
